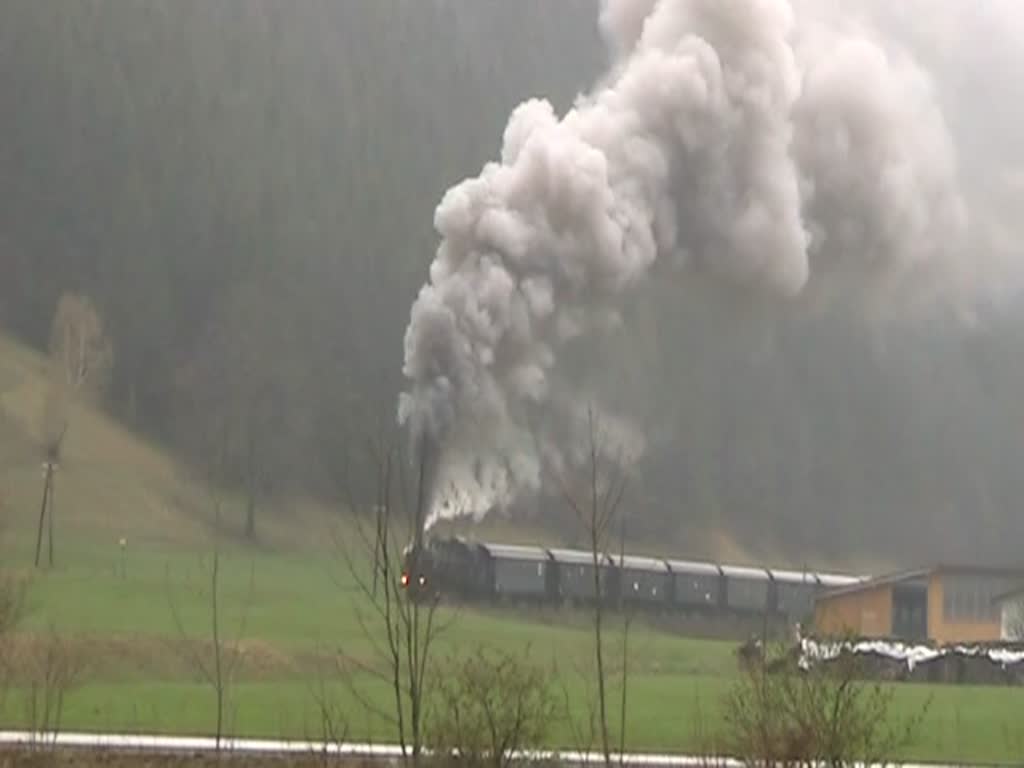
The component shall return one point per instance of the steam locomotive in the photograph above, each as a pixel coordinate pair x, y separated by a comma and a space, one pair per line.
471, 571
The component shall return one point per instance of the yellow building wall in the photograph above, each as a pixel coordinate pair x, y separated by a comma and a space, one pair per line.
935, 595
942, 631
867, 613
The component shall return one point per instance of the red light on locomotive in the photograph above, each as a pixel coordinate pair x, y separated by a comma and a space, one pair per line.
405, 579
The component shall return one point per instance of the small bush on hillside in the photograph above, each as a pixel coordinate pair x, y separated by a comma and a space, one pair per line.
487, 706
779, 715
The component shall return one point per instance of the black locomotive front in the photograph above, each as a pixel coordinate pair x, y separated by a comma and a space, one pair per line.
417, 577
445, 567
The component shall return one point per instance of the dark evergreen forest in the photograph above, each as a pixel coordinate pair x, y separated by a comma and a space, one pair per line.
246, 190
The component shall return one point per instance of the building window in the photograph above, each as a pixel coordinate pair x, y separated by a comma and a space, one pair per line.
968, 598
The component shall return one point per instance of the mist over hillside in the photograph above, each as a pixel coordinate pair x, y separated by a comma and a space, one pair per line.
247, 192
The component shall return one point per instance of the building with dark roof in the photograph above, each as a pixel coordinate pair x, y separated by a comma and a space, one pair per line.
943, 604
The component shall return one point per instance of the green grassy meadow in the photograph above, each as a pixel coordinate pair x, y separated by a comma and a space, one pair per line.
301, 609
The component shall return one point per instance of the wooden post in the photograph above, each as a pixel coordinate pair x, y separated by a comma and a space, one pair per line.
42, 510
49, 517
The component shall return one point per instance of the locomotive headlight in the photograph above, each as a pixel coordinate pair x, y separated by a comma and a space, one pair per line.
423, 580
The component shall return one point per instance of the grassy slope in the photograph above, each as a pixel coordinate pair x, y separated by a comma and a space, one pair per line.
302, 604
111, 483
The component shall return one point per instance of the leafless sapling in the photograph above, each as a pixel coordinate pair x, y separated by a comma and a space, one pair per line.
488, 706
217, 667
781, 714
396, 604
594, 495
52, 667
332, 721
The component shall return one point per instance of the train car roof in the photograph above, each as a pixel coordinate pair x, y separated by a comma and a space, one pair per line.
693, 567
793, 577
640, 563
743, 572
514, 551
576, 556
831, 580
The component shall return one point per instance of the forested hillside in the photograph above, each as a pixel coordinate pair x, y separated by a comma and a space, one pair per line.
246, 192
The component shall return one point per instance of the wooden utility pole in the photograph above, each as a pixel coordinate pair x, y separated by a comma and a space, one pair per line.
50, 466
46, 512
51, 510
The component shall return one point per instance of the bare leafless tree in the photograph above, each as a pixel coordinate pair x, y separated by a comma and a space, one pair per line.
216, 660
80, 350
332, 721
81, 356
242, 371
594, 496
489, 705
52, 667
584, 728
780, 715
397, 610
217, 664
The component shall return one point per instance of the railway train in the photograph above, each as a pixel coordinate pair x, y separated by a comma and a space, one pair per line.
480, 571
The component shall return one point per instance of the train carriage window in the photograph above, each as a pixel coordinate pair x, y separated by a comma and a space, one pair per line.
697, 589
793, 599
518, 576
747, 594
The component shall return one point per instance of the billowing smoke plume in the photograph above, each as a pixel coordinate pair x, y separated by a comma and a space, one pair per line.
771, 144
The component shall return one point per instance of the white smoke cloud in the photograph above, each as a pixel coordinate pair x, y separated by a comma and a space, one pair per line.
794, 147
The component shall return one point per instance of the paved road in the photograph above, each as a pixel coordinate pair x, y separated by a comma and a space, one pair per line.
365, 751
